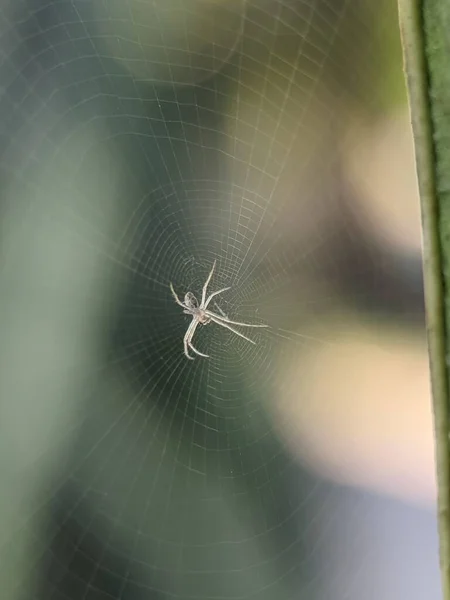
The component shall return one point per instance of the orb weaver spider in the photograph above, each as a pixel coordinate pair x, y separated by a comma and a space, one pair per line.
201, 315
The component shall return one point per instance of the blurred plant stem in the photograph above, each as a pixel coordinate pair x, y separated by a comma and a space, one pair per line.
424, 26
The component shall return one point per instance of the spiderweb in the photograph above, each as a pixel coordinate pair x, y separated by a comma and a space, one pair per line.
142, 142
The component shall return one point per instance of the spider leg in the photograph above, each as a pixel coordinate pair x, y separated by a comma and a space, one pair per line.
205, 287
197, 351
194, 324
227, 320
188, 337
174, 294
211, 296
220, 310
224, 324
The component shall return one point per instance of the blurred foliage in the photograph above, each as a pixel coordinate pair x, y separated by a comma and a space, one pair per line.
54, 200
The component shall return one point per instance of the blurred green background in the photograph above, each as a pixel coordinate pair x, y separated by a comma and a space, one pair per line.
141, 141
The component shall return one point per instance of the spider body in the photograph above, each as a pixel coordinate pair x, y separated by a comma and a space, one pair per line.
192, 308
201, 315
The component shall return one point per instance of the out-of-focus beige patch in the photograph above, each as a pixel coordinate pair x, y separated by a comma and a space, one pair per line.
359, 411
380, 165
178, 42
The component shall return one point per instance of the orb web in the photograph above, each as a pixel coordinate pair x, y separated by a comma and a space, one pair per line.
146, 149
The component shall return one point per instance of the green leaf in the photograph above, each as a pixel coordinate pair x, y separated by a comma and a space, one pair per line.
425, 25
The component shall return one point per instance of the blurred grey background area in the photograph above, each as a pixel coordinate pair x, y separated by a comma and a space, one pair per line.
140, 142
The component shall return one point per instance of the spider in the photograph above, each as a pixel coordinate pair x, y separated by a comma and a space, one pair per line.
202, 316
